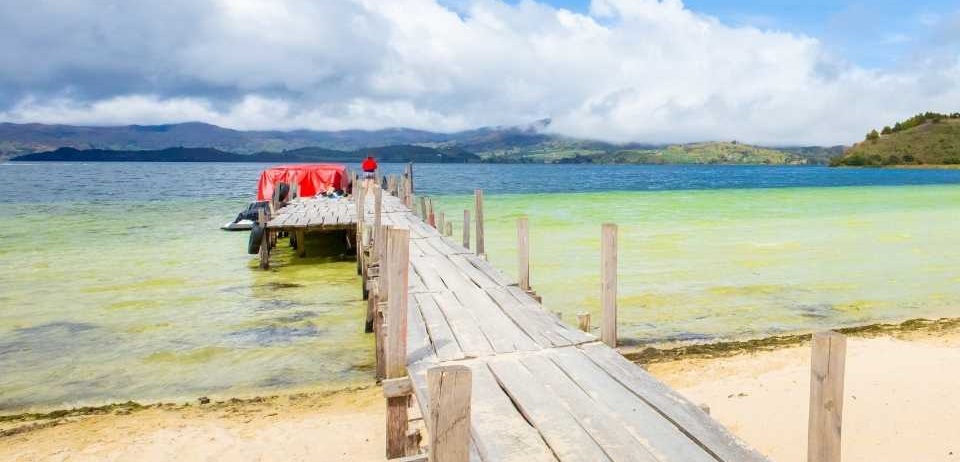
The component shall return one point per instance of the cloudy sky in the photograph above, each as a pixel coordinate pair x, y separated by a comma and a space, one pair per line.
763, 71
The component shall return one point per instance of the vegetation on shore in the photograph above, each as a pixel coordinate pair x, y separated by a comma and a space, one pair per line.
530, 143
707, 153
925, 139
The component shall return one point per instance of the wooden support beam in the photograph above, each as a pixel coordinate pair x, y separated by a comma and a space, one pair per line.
450, 388
441, 222
423, 208
608, 284
523, 252
826, 397
401, 386
449, 229
583, 321
377, 217
264, 241
478, 215
398, 261
431, 218
466, 229
301, 237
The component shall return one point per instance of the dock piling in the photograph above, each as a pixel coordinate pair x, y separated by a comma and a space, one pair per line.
608, 284
264, 241
583, 321
466, 229
523, 252
450, 388
478, 215
398, 261
826, 397
449, 229
441, 222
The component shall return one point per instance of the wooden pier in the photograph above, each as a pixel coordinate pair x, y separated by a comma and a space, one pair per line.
495, 376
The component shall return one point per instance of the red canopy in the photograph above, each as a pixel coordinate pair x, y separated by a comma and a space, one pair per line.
312, 178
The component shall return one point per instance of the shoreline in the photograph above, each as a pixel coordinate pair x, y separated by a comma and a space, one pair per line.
643, 355
898, 382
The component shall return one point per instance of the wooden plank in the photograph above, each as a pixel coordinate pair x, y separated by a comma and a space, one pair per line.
472, 273
692, 421
660, 435
450, 389
599, 421
419, 345
498, 431
500, 330
441, 336
826, 396
608, 284
471, 338
400, 386
566, 438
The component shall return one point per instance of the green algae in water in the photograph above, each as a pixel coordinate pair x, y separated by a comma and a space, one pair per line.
106, 302
114, 301
712, 264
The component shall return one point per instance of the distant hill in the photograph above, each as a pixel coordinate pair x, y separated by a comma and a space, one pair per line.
925, 139
401, 153
516, 144
706, 153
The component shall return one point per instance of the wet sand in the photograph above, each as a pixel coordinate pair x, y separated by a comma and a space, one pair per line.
901, 401
345, 426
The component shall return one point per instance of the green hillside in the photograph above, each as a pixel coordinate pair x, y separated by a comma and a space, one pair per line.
925, 139
728, 152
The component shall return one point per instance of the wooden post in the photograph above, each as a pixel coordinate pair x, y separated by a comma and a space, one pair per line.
583, 321
478, 214
450, 388
449, 229
264, 241
383, 278
523, 252
398, 261
608, 284
423, 208
431, 218
377, 218
466, 229
410, 173
826, 397
301, 242
441, 222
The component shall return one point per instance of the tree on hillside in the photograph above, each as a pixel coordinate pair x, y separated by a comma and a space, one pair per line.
873, 135
886, 130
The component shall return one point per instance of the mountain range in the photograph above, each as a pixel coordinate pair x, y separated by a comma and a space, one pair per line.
525, 143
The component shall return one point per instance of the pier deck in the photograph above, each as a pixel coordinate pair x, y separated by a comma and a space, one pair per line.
541, 390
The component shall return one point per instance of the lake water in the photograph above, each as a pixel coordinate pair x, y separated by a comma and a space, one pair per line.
116, 283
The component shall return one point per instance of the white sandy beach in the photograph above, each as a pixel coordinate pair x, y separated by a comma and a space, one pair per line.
901, 405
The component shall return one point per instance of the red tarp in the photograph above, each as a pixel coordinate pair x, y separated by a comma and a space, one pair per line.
312, 178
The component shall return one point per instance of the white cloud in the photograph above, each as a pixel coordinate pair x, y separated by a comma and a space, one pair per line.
631, 70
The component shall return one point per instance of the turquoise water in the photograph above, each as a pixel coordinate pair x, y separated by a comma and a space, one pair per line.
116, 283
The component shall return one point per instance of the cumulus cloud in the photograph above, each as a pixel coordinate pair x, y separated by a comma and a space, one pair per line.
629, 70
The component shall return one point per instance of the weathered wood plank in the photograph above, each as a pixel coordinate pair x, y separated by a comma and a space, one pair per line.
692, 421
441, 336
567, 439
600, 422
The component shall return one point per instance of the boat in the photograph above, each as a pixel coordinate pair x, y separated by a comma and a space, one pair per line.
287, 182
